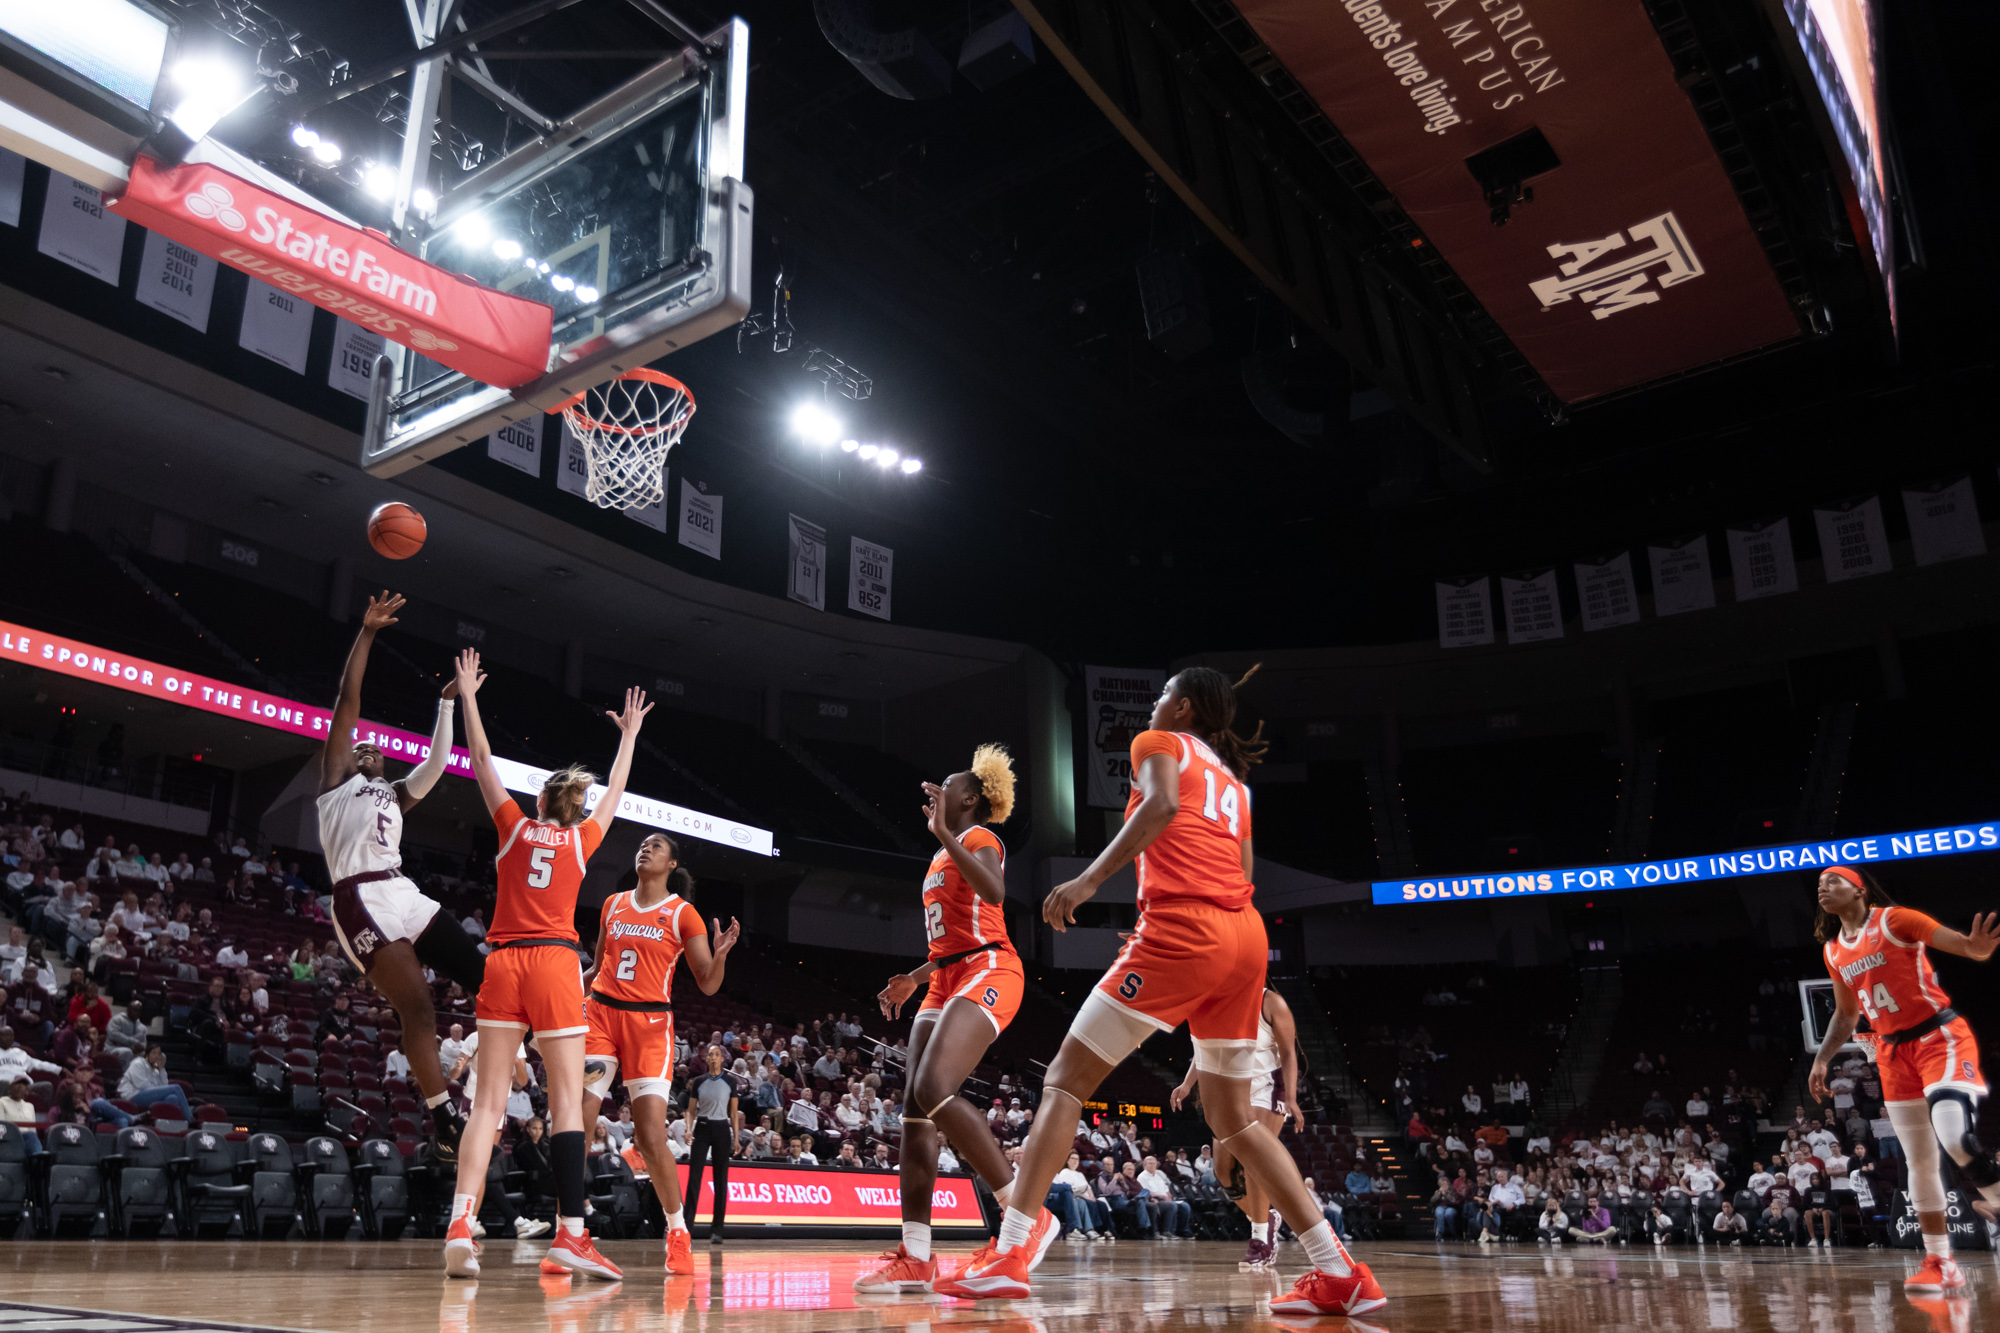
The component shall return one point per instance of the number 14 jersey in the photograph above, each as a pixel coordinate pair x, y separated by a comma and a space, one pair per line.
1199, 855
641, 946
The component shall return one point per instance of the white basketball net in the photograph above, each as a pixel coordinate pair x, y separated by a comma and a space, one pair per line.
627, 425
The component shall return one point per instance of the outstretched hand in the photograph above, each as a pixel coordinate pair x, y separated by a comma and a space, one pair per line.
1984, 937
381, 612
1059, 908
934, 810
726, 940
466, 677
635, 712
896, 994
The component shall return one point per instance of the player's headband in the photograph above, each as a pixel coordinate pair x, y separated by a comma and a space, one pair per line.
1850, 875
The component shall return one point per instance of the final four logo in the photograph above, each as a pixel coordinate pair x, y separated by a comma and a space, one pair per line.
1621, 283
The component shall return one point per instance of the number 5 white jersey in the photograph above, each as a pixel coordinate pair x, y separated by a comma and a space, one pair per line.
361, 828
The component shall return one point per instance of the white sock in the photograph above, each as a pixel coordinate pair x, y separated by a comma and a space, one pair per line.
1325, 1250
572, 1225
1938, 1245
1014, 1229
1260, 1232
676, 1220
431, 1103
1005, 1194
461, 1206
917, 1240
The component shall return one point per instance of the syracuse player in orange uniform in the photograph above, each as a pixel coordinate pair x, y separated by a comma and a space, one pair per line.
534, 976
1197, 956
1929, 1063
640, 936
975, 990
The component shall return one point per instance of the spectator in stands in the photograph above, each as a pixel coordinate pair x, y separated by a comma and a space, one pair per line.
1508, 1200
827, 1066
1643, 1066
1478, 1218
475, 924
127, 1030
1175, 1216
1471, 1101
1552, 1224
83, 928
181, 870
1774, 1224
1657, 1107
848, 1159
88, 1003
1417, 1135
760, 1145
72, 839
1357, 1178
1517, 1091
1454, 1146
14, 1060
103, 867
452, 1048
1445, 1203
106, 949
1760, 1183
1818, 1211
205, 872
1697, 1105
231, 954
802, 1154
18, 1109
1121, 1189
337, 1020
1595, 1224
1088, 1217
1701, 1178
76, 1043
145, 1083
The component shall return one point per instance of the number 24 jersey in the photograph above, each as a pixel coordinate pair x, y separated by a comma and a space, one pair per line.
1887, 965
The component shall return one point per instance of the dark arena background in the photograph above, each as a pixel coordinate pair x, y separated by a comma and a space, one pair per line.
1578, 411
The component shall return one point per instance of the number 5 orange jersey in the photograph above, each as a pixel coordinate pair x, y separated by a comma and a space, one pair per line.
540, 868
1199, 855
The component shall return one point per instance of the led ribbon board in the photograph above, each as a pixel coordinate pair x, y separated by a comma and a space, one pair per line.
1949, 841
73, 657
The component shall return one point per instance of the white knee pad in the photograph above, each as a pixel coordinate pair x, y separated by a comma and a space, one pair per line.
1948, 1119
1110, 1029
1919, 1137
599, 1073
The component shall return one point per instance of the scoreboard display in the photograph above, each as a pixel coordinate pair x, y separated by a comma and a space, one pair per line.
1145, 1117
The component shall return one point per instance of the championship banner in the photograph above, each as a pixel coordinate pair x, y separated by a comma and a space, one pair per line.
806, 576
1119, 705
1604, 591
1852, 541
1944, 521
1681, 578
73, 657
831, 1197
356, 273
1533, 607
1465, 613
1810, 856
870, 572
1760, 558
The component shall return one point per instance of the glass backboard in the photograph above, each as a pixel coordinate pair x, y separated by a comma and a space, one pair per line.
631, 220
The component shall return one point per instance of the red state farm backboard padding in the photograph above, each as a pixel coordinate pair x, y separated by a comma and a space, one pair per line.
356, 273
1634, 261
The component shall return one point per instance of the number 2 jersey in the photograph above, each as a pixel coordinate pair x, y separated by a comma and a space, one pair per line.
956, 918
1199, 855
1887, 965
540, 868
641, 946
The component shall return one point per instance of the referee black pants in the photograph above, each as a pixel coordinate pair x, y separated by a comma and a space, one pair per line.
710, 1137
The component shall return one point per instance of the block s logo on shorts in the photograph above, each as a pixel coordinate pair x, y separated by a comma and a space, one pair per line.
991, 999
1966, 1065
1129, 987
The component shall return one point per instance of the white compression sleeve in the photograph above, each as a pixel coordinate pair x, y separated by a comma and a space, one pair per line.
425, 775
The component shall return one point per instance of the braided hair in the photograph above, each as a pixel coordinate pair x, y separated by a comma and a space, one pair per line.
1213, 699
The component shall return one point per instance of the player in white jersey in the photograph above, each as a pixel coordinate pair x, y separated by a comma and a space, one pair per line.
383, 921
1274, 1085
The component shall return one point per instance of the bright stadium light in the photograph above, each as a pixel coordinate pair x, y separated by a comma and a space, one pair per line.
379, 181
474, 230
562, 282
849, 446
912, 466
211, 88
587, 295
870, 450
814, 424
327, 151
305, 137
506, 248
425, 202
885, 457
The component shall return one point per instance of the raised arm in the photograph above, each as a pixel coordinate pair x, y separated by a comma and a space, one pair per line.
1159, 783
981, 868
336, 755
628, 724
704, 961
469, 679
1977, 944
417, 783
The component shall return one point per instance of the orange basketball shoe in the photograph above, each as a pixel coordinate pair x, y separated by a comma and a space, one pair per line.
991, 1275
898, 1275
578, 1255
1939, 1273
1320, 1292
680, 1253
461, 1251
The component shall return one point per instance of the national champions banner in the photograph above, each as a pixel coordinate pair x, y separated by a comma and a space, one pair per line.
1118, 705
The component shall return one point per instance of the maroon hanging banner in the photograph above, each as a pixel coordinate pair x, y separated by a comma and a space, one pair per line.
353, 271
1634, 260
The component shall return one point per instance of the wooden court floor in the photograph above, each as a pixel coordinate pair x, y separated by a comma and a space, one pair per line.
1132, 1287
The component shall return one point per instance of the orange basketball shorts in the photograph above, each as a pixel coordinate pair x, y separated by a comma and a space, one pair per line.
1191, 963
992, 980
1947, 1058
639, 1044
538, 989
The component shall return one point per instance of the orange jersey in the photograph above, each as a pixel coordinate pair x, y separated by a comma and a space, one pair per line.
642, 946
955, 917
540, 867
1888, 967
1199, 855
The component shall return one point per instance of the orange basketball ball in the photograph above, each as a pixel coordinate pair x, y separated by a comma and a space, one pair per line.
396, 530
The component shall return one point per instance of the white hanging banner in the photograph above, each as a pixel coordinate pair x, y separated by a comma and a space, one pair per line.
518, 444
653, 515
277, 326
1465, 613
1604, 592
354, 353
13, 179
1852, 541
1760, 559
177, 281
1533, 607
1681, 580
701, 520
869, 570
79, 230
1119, 705
574, 471
1944, 521
805, 581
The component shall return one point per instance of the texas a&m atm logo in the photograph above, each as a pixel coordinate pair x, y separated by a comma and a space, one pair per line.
1608, 275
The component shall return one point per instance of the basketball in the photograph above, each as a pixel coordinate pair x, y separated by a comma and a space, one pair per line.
396, 530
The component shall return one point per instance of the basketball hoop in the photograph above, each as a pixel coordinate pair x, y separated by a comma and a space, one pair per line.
627, 425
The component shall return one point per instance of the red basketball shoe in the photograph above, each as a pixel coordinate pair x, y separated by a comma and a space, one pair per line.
898, 1275
1320, 1292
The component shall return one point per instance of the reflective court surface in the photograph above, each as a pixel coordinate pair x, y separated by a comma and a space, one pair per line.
796, 1288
